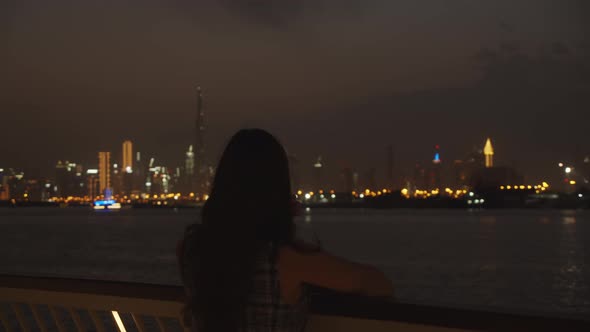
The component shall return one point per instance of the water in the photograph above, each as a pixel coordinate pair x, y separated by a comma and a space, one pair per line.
512, 260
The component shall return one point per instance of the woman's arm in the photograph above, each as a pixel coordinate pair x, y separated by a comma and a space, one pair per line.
329, 271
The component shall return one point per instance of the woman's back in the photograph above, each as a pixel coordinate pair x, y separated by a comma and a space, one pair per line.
266, 307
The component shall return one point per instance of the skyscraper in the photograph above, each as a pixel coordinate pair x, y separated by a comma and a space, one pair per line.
200, 172
189, 162
127, 157
294, 170
435, 181
104, 171
389, 173
318, 174
488, 151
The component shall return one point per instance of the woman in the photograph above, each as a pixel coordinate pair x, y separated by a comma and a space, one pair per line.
242, 268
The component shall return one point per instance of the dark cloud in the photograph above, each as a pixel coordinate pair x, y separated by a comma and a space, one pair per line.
506, 27
268, 12
559, 48
285, 14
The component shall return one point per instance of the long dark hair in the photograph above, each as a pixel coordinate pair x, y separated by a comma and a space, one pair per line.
249, 210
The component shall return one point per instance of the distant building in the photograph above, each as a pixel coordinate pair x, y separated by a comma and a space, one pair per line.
294, 172
419, 179
586, 171
69, 180
494, 177
347, 175
4, 188
435, 174
369, 179
389, 172
201, 181
460, 174
92, 183
488, 152
104, 171
127, 169
127, 157
189, 162
318, 176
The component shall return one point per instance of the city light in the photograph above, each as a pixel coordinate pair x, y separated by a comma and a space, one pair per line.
580, 195
560, 164
568, 170
572, 182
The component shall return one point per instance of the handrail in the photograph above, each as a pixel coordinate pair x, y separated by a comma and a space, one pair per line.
167, 301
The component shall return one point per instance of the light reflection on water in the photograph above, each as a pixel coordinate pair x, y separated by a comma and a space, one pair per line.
512, 259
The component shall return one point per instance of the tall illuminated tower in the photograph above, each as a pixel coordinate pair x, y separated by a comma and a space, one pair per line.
318, 174
189, 162
199, 179
488, 152
127, 157
104, 171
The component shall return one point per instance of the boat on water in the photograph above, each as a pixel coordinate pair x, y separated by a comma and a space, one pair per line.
106, 204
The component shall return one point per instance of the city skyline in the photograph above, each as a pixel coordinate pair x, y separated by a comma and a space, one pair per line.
315, 174
328, 78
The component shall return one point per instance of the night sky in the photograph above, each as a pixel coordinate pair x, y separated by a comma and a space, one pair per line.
339, 78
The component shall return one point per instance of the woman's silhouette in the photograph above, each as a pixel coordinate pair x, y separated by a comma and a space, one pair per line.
242, 268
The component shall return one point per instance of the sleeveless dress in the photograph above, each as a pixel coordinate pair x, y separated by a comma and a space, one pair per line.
266, 311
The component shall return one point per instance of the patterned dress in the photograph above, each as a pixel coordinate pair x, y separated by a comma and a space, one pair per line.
266, 311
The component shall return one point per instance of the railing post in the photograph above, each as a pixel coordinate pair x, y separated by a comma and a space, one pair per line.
138, 322
20, 317
161, 324
5, 322
77, 320
38, 319
56, 319
97, 322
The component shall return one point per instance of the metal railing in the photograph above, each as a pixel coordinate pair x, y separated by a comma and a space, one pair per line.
57, 304
62, 304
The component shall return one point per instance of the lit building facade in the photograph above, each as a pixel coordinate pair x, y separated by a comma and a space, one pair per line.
104, 171
127, 157
488, 152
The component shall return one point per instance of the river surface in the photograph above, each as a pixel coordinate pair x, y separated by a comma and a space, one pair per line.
511, 260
